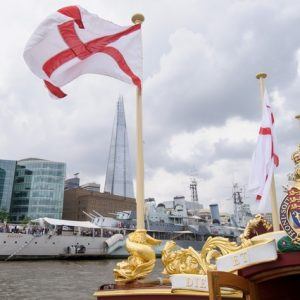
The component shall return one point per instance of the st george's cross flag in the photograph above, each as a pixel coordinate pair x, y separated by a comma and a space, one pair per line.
265, 158
72, 42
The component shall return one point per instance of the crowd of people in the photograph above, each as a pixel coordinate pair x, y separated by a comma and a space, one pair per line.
40, 230
24, 229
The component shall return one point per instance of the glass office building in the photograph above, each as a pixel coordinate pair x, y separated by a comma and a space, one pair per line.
7, 173
38, 189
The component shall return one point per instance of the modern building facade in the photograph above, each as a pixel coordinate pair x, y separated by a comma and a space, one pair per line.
38, 189
91, 186
78, 201
72, 183
118, 179
7, 173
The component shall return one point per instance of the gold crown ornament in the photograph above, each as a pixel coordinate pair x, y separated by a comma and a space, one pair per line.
296, 156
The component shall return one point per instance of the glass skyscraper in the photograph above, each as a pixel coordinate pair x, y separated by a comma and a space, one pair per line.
118, 180
38, 189
7, 172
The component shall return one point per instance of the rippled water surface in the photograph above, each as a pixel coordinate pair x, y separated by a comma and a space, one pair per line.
56, 279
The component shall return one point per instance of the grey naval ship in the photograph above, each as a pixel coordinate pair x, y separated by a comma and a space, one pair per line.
185, 222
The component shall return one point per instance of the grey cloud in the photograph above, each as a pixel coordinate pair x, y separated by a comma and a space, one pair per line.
200, 65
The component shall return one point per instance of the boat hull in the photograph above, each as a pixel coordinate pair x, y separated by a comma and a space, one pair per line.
29, 247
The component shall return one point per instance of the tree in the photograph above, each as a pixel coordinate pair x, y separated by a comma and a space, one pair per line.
4, 216
25, 220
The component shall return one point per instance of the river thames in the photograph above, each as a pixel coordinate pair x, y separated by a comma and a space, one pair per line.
56, 279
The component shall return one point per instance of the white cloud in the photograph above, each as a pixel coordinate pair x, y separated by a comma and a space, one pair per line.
203, 142
201, 103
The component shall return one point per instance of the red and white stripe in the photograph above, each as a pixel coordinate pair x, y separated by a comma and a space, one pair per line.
73, 42
265, 157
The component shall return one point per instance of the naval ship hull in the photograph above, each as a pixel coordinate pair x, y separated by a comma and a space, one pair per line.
26, 246
29, 247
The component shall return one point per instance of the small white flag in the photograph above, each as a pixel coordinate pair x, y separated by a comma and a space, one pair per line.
265, 158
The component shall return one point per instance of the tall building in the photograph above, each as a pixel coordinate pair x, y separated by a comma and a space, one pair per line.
7, 173
118, 179
38, 189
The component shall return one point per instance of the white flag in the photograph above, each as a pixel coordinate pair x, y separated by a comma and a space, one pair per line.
265, 157
72, 42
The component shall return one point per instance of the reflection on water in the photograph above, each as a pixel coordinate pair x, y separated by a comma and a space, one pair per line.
47, 280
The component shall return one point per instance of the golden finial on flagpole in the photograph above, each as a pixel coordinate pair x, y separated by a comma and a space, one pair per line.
297, 117
261, 75
137, 19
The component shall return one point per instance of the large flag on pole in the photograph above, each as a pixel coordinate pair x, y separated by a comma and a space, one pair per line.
72, 42
265, 157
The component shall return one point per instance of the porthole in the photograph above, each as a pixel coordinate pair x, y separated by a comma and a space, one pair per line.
4, 242
53, 243
35, 242
16, 242
88, 243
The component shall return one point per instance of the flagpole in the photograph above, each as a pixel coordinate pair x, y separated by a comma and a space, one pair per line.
140, 205
274, 205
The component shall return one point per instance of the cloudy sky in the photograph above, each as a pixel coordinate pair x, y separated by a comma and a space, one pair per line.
201, 97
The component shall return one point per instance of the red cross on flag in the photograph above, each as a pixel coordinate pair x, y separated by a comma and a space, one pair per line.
72, 42
265, 157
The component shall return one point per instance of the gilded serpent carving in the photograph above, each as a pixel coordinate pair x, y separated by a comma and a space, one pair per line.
141, 260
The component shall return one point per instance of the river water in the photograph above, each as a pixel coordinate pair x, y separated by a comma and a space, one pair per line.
56, 279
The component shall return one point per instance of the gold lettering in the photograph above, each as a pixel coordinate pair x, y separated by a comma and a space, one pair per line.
203, 283
244, 257
235, 260
189, 282
198, 282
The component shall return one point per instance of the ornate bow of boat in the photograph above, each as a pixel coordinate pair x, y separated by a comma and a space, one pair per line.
141, 260
189, 261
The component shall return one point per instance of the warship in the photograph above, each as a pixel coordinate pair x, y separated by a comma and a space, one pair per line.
104, 237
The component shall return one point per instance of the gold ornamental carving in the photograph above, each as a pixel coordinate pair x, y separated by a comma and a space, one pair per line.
290, 206
141, 260
188, 261
255, 227
296, 174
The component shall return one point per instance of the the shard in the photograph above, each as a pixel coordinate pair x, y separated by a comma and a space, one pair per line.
118, 179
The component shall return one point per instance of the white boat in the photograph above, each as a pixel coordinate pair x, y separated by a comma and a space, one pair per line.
53, 238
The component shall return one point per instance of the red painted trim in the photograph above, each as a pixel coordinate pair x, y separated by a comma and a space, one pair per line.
56, 91
74, 13
69, 35
265, 131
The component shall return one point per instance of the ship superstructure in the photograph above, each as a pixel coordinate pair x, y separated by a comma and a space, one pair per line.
242, 213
